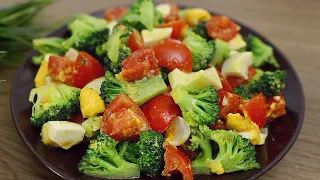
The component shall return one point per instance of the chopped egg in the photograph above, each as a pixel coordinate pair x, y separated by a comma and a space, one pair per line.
178, 132
164, 9
251, 135
237, 64
91, 103
151, 38
237, 42
42, 73
63, 134
96, 84
72, 54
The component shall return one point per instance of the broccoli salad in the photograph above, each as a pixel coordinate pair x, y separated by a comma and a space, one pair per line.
161, 90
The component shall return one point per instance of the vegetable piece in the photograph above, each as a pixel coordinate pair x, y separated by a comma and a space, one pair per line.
142, 15
50, 45
103, 160
172, 54
262, 53
123, 119
237, 43
63, 134
221, 53
256, 109
244, 126
198, 106
270, 83
243, 91
178, 132
229, 103
160, 111
115, 13
201, 30
140, 64
42, 73
82, 29
151, 153
201, 50
176, 26
174, 12
61, 69
151, 38
200, 79
135, 41
92, 126
91, 104
225, 84
128, 151
222, 27
95, 84
237, 81
276, 107
235, 153
140, 91
175, 161
237, 65
196, 15
54, 102
113, 51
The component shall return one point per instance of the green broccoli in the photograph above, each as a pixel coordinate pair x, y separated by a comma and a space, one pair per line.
36, 60
201, 50
270, 83
222, 51
243, 91
103, 160
262, 53
53, 102
142, 15
51, 45
129, 151
198, 106
114, 52
201, 30
82, 28
151, 152
140, 91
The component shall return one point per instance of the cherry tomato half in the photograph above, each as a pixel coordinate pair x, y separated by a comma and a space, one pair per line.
115, 13
276, 107
237, 81
135, 41
222, 27
61, 69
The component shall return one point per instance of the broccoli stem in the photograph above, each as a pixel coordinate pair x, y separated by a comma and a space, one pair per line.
199, 164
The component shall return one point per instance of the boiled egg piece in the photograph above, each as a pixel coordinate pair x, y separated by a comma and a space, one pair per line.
178, 132
96, 84
237, 64
72, 54
153, 37
237, 42
164, 9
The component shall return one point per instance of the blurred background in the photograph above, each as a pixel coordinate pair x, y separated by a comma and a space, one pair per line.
292, 25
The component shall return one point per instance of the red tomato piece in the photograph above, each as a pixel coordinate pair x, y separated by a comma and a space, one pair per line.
135, 41
61, 69
173, 54
160, 112
229, 103
174, 13
176, 161
225, 84
276, 107
115, 13
123, 119
256, 109
236, 81
141, 63
218, 125
176, 26
222, 27
86, 69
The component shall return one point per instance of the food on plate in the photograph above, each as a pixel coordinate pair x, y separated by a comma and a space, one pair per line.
161, 90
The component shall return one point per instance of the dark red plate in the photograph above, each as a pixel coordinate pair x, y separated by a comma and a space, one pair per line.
283, 131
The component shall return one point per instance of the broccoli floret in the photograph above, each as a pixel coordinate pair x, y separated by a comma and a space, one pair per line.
201, 30
139, 91
142, 15
243, 91
36, 60
201, 50
222, 50
128, 151
103, 160
262, 53
151, 153
198, 106
50, 45
81, 28
53, 102
114, 52
90, 42
270, 83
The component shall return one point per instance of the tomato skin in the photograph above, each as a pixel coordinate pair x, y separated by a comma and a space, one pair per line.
276, 107
61, 69
236, 81
160, 112
135, 41
141, 63
173, 54
123, 119
232, 106
175, 161
256, 109
222, 27
218, 125
225, 84
174, 13
115, 13
87, 69
176, 26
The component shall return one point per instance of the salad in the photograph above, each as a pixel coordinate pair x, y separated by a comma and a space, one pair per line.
161, 90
